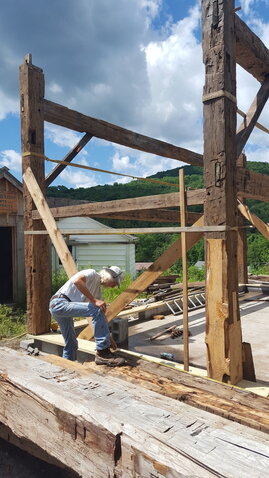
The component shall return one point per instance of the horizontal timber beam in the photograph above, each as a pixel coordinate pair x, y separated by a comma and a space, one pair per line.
121, 205
251, 53
150, 215
62, 116
249, 184
252, 185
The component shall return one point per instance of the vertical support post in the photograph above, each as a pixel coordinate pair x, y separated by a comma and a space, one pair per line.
242, 237
37, 248
184, 268
223, 326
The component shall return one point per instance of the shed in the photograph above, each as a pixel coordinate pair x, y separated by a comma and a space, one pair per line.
96, 251
12, 275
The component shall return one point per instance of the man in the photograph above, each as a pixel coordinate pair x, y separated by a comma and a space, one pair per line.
81, 296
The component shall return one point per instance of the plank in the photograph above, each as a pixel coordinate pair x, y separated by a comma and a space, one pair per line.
68, 158
62, 116
242, 238
168, 258
36, 249
251, 53
262, 227
50, 224
182, 191
138, 230
246, 127
223, 327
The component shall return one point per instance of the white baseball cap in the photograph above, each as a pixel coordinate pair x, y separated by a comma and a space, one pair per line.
116, 273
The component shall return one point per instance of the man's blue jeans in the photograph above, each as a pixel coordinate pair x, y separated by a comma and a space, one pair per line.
64, 311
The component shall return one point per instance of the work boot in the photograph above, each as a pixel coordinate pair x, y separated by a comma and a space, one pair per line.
105, 357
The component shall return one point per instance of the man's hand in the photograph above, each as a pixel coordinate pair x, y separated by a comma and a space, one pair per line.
101, 304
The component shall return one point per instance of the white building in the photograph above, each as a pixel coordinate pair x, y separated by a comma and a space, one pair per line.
96, 251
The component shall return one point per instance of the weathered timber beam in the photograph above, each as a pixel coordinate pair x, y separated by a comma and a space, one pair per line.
249, 122
121, 205
223, 329
251, 53
68, 158
252, 185
150, 215
36, 249
49, 222
166, 260
60, 115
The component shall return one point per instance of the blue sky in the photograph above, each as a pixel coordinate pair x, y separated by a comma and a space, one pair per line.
135, 63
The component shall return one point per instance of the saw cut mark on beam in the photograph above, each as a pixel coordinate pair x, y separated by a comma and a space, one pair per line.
166, 260
247, 126
62, 116
67, 159
49, 222
262, 227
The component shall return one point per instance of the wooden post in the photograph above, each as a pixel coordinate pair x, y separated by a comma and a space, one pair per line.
223, 327
242, 237
37, 248
184, 269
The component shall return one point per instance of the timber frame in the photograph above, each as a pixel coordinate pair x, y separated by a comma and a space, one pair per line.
226, 41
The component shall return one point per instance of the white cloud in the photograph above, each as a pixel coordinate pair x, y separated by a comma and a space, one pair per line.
175, 75
79, 179
11, 159
8, 104
62, 136
246, 5
122, 164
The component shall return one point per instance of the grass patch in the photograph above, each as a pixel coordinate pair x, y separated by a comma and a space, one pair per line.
12, 321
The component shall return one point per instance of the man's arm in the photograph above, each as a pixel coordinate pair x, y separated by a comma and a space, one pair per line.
80, 283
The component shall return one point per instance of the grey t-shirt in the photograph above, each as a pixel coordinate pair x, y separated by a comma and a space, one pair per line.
93, 284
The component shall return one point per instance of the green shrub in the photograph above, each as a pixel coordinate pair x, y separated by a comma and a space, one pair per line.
12, 321
58, 279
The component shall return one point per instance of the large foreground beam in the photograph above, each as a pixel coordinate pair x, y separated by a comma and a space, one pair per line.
64, 409
62, 116
251, 53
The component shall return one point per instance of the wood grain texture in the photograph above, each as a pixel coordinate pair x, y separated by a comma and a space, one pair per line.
101, 425
223, 329
37, 249
251, 53
60, 115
